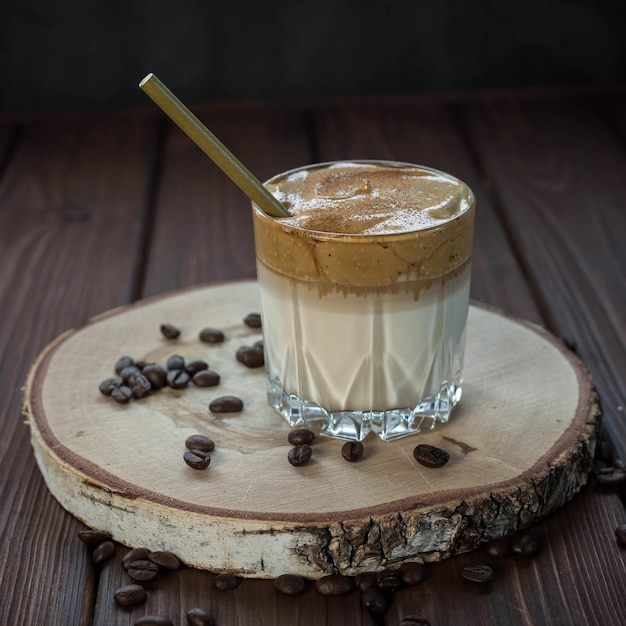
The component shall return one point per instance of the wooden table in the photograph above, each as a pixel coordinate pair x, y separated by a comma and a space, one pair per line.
101, 209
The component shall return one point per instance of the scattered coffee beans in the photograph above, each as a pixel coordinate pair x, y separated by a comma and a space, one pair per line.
226, 404
199, 442
206, 378
103, 552
253, 320
155, 374
128, 373
500, 548
300, 455
211, 335
143, 570
169, 331
375, 600
525, 544
610, 476
93, 538
199, 617
365, 581
177, 379
290, 584
136, 554
620, 535
411, 620
193, 367
140, 386
430, 456
223, 582
122, 363
352, 451
154, 620
175, 362
108, 385
250, 356
197, 459
165, 560
301, 435
477, 573
412, 574
389, 580
122, 394
335, 585
130, 595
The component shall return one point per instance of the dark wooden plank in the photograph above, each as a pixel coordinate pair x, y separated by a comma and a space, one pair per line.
203, 228
422, 130
557, 171
72, 199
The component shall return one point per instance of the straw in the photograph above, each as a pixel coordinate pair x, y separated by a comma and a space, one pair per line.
212, 146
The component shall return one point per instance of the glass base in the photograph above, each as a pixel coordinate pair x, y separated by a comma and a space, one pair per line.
356, 425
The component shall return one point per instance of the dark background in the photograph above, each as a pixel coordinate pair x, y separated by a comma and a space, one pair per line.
73, 53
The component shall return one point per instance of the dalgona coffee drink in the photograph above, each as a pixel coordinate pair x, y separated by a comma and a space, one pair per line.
364, 296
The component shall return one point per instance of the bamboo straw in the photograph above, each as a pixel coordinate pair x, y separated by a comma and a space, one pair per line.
212, 146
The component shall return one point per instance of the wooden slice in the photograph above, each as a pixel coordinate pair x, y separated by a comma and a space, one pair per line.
521, 444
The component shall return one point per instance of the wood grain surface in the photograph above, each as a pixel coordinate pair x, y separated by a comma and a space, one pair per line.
100, 209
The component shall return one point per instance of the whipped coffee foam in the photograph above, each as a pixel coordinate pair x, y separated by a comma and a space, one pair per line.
367, 198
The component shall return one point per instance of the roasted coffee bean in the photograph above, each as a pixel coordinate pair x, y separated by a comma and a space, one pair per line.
143, 570
250, 357
122, 394
175, 362
430, 456
412, 574
136, 554
177, 379
140, 386
130, 595
223, 582
620, 535
103, 552
604, 451
477, 572
226, 404
352, 451
500, 548
199, 442
389, 580
153, 620
193, 367
155, 374
169, 331
610, 476
290, 584
300, 455
525, 544
199, 617
122, 363
197, 459
92, 538
253, 320
411, 620
375, 600
108, 385
211, 335
301, 435
165, 560
206, 378
128, 373
365, 581
335, 585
